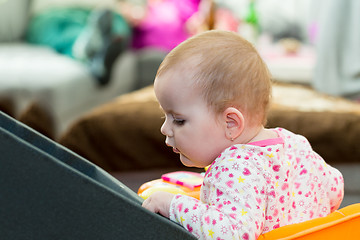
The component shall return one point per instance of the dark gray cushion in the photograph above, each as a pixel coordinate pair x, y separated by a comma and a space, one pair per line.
48, 192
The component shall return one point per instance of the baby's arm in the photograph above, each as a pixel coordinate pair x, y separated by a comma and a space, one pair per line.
336, 188
159, 202
231, 206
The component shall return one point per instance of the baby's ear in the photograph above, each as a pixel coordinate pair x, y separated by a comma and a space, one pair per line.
235, 123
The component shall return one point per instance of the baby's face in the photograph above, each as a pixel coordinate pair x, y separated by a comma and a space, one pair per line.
190, 127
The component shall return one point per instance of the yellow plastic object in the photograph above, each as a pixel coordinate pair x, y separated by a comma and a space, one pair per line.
149, 188
341, 224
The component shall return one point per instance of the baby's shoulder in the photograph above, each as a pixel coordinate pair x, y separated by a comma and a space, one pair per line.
292, 139
243, 156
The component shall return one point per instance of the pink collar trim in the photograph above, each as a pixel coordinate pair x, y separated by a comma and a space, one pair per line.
268, 142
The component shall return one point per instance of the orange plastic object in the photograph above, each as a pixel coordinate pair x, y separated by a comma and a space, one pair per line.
341, 224
149, 188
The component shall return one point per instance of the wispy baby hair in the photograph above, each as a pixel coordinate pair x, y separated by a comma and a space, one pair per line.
226, 69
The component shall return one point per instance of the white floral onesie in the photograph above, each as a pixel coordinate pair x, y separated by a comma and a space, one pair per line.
254, 188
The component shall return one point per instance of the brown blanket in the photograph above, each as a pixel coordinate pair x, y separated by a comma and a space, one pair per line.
124, 134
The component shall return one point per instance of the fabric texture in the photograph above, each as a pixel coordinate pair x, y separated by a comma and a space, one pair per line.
250, 190
45, 28
70, 23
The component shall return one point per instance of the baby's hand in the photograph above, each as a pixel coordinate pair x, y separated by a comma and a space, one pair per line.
159, 202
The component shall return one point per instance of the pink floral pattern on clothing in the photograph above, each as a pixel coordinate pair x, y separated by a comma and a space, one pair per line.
252, 189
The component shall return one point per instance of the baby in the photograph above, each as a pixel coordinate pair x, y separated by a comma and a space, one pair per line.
215, 89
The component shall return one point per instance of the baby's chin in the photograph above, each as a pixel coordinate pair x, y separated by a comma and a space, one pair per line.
188, 163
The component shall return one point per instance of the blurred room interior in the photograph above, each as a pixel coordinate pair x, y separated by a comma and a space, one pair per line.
61, 60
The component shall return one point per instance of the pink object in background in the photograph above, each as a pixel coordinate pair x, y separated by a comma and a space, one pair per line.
164, 24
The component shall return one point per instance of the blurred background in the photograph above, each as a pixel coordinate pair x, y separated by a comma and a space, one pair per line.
61, 59
60, 55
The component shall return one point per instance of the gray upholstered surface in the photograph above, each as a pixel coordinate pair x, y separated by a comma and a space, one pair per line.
47, 192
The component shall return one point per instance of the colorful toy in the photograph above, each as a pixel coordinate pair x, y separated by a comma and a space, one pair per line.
187, 179
181, 182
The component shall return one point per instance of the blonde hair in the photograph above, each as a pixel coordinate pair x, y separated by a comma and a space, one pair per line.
227, 70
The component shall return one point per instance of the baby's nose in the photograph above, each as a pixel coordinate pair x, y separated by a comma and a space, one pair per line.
166, 129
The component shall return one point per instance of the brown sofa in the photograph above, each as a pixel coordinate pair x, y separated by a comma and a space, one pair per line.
123, 135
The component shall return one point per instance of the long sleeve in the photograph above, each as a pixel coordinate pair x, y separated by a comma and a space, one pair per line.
232, 203
335, 187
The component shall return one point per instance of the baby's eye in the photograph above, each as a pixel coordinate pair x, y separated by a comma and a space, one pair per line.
179, 122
